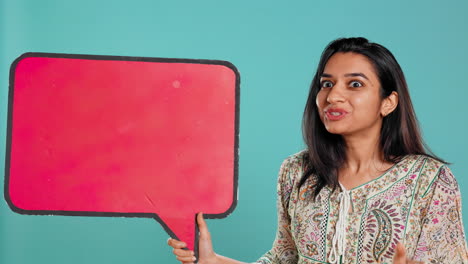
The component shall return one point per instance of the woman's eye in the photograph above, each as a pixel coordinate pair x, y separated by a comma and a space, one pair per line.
355, 84
326, 84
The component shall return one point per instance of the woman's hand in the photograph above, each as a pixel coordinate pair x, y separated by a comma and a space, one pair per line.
400, 256
206, 255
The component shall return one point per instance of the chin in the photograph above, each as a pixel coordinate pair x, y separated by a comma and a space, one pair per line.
337, 130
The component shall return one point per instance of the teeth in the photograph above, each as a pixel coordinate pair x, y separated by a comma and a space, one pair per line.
335, 113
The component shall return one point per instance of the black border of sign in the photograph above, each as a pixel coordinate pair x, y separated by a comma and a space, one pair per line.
107, 214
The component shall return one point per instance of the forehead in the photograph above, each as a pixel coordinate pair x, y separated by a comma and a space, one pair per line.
342, 63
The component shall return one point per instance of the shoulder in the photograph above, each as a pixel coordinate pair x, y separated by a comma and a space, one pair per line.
431, 165
424, 165
295, 161
291, 171
434, 174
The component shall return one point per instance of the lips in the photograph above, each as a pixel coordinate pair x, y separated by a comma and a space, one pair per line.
335, 114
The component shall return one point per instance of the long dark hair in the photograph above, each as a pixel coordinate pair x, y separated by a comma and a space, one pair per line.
399, 135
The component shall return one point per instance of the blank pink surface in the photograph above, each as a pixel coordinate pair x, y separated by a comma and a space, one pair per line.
123, 137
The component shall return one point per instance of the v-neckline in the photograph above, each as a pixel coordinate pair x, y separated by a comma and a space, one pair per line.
375, 179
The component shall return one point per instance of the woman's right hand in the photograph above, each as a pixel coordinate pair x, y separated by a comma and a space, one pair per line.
400, 256
206, 255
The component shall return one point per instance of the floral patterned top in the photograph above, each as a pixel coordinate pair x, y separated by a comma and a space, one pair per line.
416, 202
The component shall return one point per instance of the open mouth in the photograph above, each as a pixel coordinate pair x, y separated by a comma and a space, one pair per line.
335, 114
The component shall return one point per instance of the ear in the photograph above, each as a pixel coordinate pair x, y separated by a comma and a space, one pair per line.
389, 104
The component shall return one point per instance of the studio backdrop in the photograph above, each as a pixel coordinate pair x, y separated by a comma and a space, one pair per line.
262, 53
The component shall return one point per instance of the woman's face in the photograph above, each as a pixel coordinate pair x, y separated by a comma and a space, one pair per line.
349, 100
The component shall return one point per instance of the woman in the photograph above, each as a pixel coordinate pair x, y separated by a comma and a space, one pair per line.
365, 190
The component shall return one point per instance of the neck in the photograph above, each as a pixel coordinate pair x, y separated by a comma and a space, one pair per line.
364, 160
362, 150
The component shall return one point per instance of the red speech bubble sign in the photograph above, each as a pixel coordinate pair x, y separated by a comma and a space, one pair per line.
123, 136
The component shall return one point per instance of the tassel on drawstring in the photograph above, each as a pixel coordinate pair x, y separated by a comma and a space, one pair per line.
339, 239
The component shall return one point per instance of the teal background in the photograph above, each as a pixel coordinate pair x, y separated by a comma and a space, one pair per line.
275, 46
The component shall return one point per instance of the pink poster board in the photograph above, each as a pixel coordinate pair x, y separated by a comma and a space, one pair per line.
123, 136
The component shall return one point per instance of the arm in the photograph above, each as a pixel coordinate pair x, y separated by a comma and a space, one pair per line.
442, 238
205, 250
284, 249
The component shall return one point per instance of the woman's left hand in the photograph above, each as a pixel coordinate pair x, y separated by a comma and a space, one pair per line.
400, 256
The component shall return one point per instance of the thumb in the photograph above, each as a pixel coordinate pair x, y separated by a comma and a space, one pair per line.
205, 247
202, 227
400, 254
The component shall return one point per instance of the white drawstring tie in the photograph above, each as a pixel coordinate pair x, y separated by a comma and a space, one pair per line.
339, 239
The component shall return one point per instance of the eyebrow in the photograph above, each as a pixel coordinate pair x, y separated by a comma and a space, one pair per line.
353, 74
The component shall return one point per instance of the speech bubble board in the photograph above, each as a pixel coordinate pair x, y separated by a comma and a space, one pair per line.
123, 136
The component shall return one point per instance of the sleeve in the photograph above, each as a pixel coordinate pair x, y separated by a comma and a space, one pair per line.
442, 238
284, 250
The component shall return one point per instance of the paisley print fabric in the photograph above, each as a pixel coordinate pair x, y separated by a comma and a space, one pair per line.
416, 202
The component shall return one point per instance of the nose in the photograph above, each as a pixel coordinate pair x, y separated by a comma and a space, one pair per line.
335, 94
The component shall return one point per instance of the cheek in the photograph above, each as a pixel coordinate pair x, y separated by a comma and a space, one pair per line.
367, 105
360, 101
320, 100
367, 101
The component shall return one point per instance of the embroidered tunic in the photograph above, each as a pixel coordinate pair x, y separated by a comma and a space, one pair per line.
416, 202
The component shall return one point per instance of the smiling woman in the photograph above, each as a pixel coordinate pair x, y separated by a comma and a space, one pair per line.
365, 190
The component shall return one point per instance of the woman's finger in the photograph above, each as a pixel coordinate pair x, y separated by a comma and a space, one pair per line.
185, 259
176, 243
183, 252
400, 254
205, 246
202, 226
